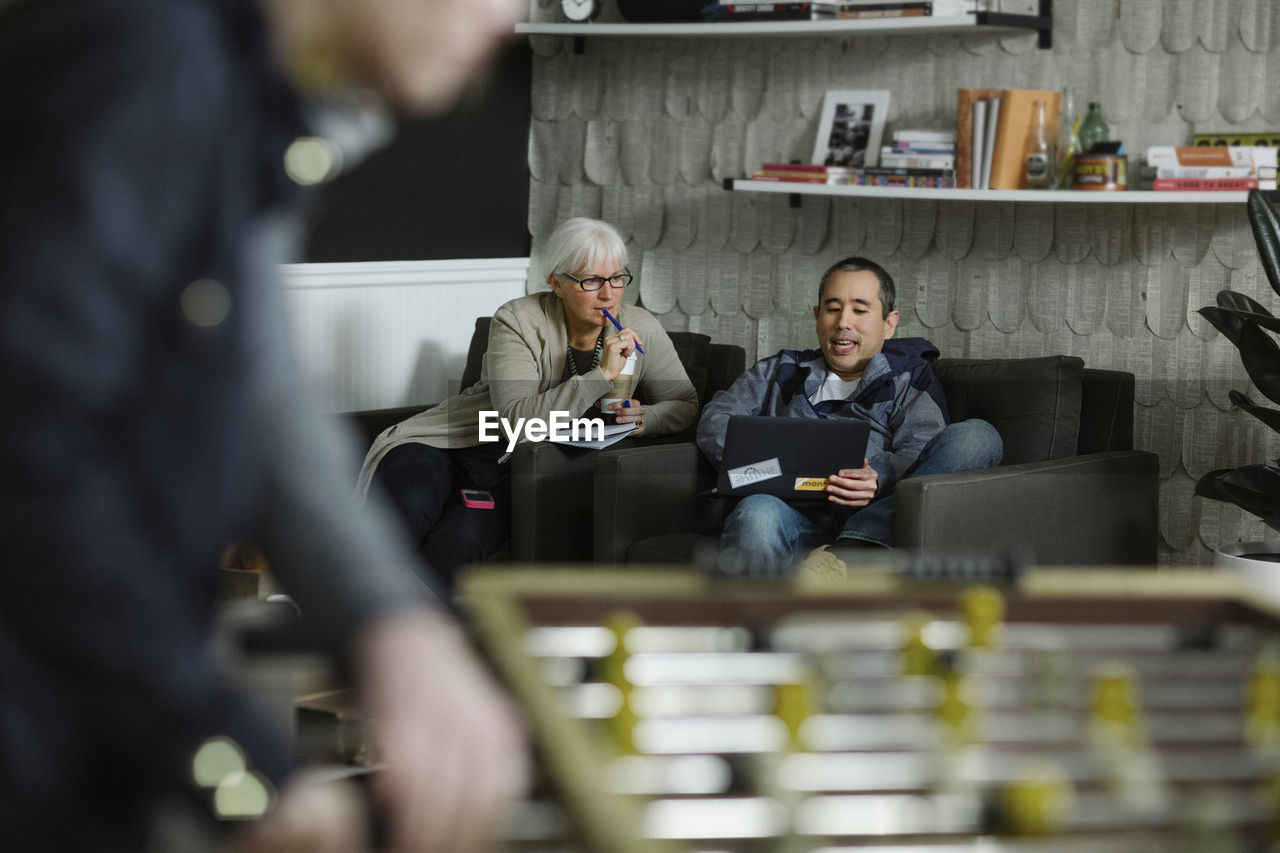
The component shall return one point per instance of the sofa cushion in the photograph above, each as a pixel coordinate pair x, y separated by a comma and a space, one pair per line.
695, 353
682, 548
1034, 403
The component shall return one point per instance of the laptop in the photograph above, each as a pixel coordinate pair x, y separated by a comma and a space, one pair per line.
790, 458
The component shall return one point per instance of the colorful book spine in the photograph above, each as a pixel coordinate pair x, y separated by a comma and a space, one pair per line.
1247, 140
913, 136
1215, 172
913, 11
906, 172
793, 177
1185, 156
1203, 184
918, 148
804, 167
901, 160
913, 181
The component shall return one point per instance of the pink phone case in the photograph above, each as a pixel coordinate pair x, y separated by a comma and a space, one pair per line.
476, 499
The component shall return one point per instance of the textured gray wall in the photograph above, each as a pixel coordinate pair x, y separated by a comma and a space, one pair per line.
642, 132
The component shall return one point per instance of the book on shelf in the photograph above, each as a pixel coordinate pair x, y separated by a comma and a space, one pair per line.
796, 178
992, 127
1216, 162
806, 167
935, 148
730, 12
1201, 172
869, 177
936, 182
1201, 156
846, 9
802, 173
921, 136
1267, 139
1203, 184
906, 172
911, 160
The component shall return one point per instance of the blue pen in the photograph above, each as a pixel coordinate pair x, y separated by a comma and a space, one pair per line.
618, 326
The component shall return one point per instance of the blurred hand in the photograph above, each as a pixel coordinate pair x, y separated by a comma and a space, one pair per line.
311, 816
853, 486
452, 743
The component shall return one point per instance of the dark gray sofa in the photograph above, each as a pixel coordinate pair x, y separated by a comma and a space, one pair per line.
551, 494
1071, 490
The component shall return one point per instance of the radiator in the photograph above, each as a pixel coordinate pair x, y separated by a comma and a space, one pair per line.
381, 334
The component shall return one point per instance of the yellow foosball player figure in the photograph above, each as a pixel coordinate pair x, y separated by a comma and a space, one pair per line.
983, 609
1039, 802
1118, 738
1262, 706
621, 725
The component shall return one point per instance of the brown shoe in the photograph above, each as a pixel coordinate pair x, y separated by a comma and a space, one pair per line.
822, 564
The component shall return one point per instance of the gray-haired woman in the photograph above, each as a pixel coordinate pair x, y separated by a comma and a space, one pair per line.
550, 352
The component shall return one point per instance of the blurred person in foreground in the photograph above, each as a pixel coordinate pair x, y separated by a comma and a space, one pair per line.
553, 351
152, 413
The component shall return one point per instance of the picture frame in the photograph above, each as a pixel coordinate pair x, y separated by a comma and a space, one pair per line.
851, 127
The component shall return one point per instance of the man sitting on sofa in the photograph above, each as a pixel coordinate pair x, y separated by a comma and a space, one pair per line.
858, 371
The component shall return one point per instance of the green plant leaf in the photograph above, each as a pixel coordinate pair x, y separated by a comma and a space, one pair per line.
1228, 322
1240, 302
1270, 417
1261, 359
1266, 233
1247, 309
1207, 486
1254, 488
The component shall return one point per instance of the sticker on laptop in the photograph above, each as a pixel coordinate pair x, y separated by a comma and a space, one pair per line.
754, 473
810, 484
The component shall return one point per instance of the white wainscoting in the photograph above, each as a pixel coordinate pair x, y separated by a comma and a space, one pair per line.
381, 334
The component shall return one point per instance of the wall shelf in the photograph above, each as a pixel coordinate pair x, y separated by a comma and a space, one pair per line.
987, 22
1051, 196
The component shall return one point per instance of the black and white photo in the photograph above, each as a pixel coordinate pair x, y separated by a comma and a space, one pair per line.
850, 129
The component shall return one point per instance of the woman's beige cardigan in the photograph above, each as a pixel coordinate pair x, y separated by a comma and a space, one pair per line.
520, 378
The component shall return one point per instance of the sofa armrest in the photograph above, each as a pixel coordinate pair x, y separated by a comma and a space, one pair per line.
648, 491
551, 502
1097, 509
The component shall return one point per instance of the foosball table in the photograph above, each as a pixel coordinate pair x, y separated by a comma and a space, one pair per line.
1064, 711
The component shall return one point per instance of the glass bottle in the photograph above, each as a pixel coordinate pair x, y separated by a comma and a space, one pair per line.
1038, 161
1094, 128
1067, 144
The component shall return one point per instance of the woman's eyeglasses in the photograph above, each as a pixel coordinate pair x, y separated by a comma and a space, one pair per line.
595, 282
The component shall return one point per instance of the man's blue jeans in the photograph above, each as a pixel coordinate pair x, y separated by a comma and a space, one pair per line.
764, 534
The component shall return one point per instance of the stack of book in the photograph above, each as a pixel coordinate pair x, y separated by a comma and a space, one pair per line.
888, 176
992, 127
754, 11
920, 149
827, 10
872, 176
803, 173
1208, 169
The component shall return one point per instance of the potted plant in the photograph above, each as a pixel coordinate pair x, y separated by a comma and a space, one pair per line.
1254, 488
